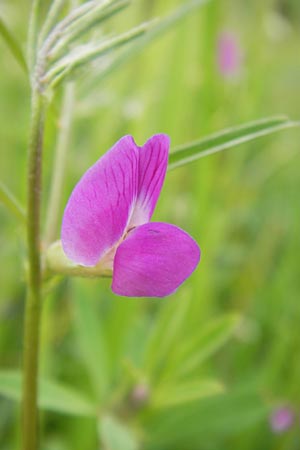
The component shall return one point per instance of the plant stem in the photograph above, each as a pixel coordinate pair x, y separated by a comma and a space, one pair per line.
59, 163
33, 300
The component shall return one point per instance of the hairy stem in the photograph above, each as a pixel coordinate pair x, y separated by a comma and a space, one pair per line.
33, 300
59, 164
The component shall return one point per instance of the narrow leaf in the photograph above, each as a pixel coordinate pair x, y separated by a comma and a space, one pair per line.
32, 32
8, 199
116, 436
86, 53
179, 394
85, 24
165, 332
226, 139
77, 13
13, 45
91, 340
52, 395
207, 418
52, 16
199, 347
161, 27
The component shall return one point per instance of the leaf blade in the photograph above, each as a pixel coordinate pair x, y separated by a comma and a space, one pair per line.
198, 348
115, 435
13, 45
83, 55
162, 26
11, 203
91, 340
226, 139
83, 25
211, 417
53, 396
183, 393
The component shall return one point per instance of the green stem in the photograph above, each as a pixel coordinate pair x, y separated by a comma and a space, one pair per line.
59, 164
33, 301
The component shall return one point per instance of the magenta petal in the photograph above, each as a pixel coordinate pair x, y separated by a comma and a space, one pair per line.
153, 161
154, 260
101, 204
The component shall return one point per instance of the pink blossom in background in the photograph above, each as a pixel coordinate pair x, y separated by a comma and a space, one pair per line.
281, 419
107, 221
140, 394
229, 56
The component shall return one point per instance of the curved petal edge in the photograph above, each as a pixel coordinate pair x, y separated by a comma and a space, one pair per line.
154, 260
99, 208
153, 162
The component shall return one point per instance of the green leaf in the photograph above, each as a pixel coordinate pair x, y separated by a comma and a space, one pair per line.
91, 340
52, 395
208, 418
178, 394
52, 16
13, 45
116, 436
9, 200
84, 24
226, 139
165, 332
199, 347
161, 26
85, 54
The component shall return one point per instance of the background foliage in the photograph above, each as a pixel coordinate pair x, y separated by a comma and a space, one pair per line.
204, 368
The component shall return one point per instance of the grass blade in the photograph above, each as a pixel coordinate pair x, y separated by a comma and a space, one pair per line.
89, 21
91, 340
52, 16
53, 396
226, 139
157, 30
182, 393
116, 436
8, 199
163, 337
185, 426
13, 45
199, 347
87, 53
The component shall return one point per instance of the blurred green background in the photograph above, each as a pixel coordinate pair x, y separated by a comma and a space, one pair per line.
204, 368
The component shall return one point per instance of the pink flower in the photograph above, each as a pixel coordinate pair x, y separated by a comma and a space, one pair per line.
281, 419
229, 55
106, 221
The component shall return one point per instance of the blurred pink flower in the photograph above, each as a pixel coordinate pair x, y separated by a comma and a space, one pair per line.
140, 394
281, 419
229, 55
107, 222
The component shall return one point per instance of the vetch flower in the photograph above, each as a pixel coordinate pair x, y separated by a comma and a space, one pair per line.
281, 419
106, 222
229, 55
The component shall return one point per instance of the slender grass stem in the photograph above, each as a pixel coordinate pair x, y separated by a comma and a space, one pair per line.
59, 163
33, 300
